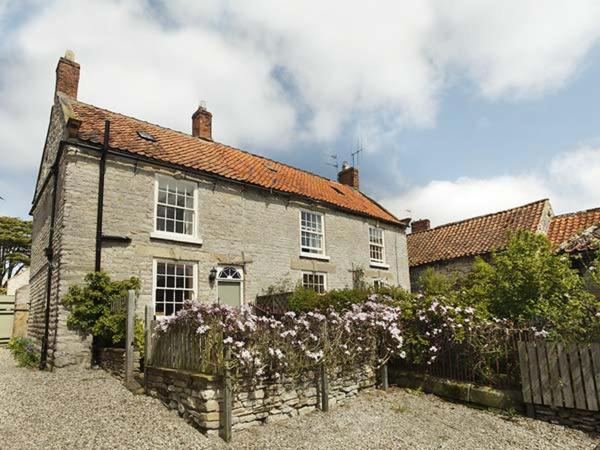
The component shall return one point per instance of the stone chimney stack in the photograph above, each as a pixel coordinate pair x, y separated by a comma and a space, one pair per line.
202, 123
420, 225
67, 75
348, 175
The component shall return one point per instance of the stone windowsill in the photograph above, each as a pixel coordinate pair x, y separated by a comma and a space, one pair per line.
314, 256
379, 265
175, 237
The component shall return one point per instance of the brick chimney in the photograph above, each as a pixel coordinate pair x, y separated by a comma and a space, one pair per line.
202, 123
348, 175
67, 75
420, 225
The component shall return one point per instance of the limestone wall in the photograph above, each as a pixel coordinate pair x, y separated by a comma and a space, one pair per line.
457, 267
198, 397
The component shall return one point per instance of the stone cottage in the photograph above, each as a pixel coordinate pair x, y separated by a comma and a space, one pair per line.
189, 216
452, 248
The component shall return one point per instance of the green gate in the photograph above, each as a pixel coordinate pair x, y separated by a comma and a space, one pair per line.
7, 315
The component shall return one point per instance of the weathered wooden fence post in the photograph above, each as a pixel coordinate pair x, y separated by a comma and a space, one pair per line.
227, 397
383, 377
324, 389
148, 325
129, 338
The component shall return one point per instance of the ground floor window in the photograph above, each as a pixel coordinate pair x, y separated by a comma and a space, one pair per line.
379, 284
174, 283
315, 281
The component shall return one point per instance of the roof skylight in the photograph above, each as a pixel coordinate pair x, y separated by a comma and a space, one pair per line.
146, 136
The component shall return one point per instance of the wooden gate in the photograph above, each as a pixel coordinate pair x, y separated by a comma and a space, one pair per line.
559, 375
7, 314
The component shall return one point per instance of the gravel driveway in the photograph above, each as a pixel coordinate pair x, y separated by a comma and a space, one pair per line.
76, 408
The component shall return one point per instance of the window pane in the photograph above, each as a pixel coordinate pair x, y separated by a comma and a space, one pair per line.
174, 285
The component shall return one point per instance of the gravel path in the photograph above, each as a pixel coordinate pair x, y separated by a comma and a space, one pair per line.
76, 408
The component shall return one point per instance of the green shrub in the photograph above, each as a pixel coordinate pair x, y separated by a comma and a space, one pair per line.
304, 300
530, 284
90, 305
23, 351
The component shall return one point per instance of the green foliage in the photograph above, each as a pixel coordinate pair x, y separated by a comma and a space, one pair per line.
23, 351
90, 306
15, 247
433, 283
530, 284
304, 300
139, 336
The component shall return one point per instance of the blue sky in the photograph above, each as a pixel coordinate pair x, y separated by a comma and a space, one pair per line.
461, 110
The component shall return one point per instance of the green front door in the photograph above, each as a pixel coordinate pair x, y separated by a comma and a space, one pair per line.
230, 293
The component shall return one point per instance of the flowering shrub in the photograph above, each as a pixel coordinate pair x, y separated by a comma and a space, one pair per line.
270, 348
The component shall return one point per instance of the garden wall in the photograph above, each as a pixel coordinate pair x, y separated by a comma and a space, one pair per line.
113, 361
575, 418
197, 397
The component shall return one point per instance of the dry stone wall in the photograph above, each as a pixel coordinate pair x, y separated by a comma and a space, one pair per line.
198, 398
575, 418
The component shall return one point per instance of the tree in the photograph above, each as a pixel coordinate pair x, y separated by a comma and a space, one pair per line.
531, 284
15, 247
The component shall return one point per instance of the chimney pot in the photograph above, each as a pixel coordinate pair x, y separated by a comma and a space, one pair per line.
67, 75
202, 122
348, 175
420, 225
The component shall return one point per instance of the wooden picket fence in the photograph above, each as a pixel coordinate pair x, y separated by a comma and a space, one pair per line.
560, 375
273, 304
182, 348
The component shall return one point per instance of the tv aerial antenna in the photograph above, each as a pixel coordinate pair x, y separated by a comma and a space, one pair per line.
333, 162
356, 153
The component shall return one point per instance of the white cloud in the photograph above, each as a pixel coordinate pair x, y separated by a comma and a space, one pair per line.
570, 182
342, 60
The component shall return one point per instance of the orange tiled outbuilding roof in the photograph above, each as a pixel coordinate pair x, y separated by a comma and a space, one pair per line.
474, 236
211, 157
566, 226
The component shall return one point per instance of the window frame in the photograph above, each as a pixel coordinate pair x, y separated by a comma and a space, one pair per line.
323, 274
377, 263
303, 254
193, 238
155, 262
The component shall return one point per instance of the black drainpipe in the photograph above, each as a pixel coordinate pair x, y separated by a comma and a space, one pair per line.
98, 265
50, 257
99, 217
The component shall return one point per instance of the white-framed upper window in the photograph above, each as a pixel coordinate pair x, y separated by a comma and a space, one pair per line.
175, 207
376, 245
315, 280
312, 234
174, 283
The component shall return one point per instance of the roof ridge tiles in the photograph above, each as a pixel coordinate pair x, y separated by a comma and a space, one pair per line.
482, 216
576, 213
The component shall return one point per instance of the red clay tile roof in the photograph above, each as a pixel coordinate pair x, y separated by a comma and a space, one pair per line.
474, 236
566, 226
207, 156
